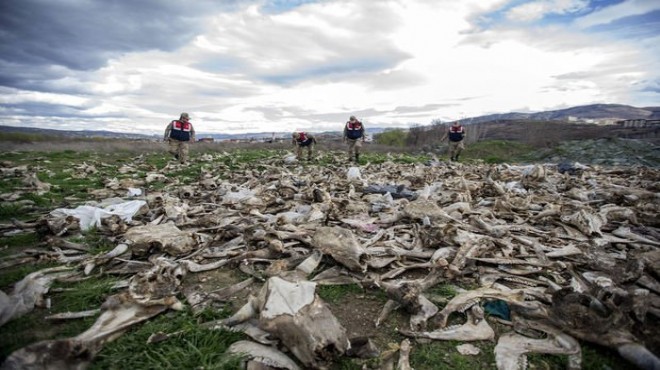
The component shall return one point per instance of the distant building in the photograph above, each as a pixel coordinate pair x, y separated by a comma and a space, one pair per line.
638, 122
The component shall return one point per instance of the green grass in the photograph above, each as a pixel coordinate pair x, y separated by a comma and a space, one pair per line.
39, 200
443, 290
97, 242
404, 158
10, 276
20, 137
443, 355
335, 293
12, 210
193, 348
84, 295
33, 328
499, 151
14, 244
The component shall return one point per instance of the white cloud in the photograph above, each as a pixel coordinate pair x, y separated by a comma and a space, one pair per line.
391, 62
13, 96
536, 10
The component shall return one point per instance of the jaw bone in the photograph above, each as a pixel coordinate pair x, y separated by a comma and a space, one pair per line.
264, 355
475, 328
511, 349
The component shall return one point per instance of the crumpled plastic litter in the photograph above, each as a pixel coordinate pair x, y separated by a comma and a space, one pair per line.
91, 216
353, 174
134, 192
571, 168
498, 308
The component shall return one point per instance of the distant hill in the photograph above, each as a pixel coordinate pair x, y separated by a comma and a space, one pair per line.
80, 134
584, 112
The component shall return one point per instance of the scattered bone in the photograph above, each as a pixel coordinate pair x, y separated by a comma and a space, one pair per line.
341, 245
475, 328
293, 313
468, 349
149, 294
167, 238
404, 356
29, 293
511, 349
522, 232
265, 355
73, 315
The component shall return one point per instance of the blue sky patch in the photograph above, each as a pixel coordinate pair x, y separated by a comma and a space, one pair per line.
500, 16
323, 71
633, 27
280, 6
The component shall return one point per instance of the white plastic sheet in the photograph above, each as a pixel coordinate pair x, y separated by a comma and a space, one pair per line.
239, 196
90, 216
134, 192
353, 174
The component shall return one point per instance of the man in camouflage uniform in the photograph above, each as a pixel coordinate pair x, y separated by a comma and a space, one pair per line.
303, 140
179, 134
354, 135
455, 134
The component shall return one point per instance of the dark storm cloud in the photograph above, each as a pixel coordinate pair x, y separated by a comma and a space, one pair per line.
83, 35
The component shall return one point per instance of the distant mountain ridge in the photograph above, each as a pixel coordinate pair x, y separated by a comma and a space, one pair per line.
72, 133
593, 111
583, 112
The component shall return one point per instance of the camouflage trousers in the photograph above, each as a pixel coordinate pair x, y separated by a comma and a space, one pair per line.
455, 148
179, 149
309, 148
354, 147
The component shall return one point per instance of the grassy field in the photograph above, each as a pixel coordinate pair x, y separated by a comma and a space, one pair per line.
192, 346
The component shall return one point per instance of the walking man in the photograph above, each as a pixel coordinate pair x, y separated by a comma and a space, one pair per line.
456, 134
354, 136
303, 140
179, 133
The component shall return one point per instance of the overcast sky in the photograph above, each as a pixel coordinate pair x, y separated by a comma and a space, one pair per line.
276, 65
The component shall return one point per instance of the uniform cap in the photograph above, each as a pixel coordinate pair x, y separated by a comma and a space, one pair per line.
185, 115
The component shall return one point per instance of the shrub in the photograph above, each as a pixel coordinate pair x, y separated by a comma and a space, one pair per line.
395, 137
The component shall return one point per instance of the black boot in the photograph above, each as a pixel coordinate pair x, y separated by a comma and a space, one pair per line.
176, 156
357, 158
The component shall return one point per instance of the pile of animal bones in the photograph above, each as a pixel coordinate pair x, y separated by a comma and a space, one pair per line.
573, 255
